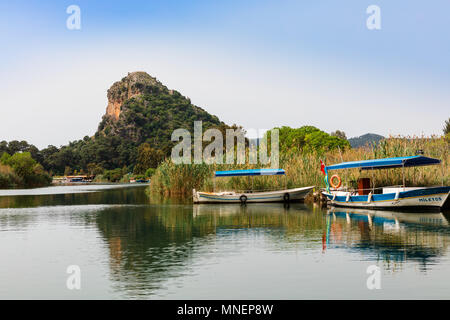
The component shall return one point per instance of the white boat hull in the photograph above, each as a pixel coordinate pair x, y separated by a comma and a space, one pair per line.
297, 194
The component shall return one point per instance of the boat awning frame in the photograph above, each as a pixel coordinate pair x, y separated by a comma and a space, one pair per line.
387, 163
250, 172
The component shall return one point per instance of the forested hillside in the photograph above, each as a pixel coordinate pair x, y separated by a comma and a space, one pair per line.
365, 140
140, 112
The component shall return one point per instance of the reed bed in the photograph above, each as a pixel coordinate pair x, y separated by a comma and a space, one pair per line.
8, 178
303, 169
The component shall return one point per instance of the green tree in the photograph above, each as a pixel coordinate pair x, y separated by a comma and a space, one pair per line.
21, 170
4, 147
94, 169
113, 175
308, 139
339, 134
22, 163
5, 158
447, 127
148, 157
67, 171
149, 172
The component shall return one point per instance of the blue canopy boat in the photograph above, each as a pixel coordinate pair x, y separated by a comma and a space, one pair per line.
387, 197
285, 195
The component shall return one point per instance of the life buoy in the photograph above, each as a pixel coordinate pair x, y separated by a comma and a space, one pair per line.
286, 197
332, 181
243, 199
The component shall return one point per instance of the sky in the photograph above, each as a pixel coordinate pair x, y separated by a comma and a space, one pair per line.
259, 64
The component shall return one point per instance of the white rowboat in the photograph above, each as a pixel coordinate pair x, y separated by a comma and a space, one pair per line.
286, 195
297, 194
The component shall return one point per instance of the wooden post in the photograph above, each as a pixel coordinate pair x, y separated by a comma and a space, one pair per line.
340, 154
345, 172
403, 175
373, 182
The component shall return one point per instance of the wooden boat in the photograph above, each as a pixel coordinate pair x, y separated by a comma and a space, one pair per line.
396, 197
286, 195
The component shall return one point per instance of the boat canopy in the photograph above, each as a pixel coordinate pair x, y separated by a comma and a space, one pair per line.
250, 172
387, 163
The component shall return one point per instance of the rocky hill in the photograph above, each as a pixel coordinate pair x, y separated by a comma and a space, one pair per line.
140, 110
134, 84
364, 140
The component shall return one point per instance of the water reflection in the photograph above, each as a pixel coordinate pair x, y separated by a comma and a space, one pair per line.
150, 244
389, 236
73, 195
139, 247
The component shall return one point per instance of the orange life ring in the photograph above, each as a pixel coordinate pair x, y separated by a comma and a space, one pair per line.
339, 181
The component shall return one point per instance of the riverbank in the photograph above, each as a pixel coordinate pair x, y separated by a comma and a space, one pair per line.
303, 169
22, 171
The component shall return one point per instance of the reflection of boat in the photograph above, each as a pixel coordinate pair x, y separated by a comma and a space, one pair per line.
391, 235
391, 217
387, 197
286, 195
257, 209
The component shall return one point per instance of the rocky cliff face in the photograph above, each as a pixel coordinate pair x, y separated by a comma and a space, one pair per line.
134, 84
141, 109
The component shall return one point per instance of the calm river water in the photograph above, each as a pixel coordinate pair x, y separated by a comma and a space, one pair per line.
129, 246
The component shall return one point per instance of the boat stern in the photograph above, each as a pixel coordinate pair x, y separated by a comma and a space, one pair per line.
445, 204
195, 196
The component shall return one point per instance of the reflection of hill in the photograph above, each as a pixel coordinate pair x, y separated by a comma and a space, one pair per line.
392, 236
149, 244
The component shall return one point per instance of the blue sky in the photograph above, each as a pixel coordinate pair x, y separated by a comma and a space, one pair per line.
259, 64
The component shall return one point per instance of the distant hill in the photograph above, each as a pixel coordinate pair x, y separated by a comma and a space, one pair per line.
366, 139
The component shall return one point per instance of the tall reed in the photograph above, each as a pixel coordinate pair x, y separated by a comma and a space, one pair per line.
303, 169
